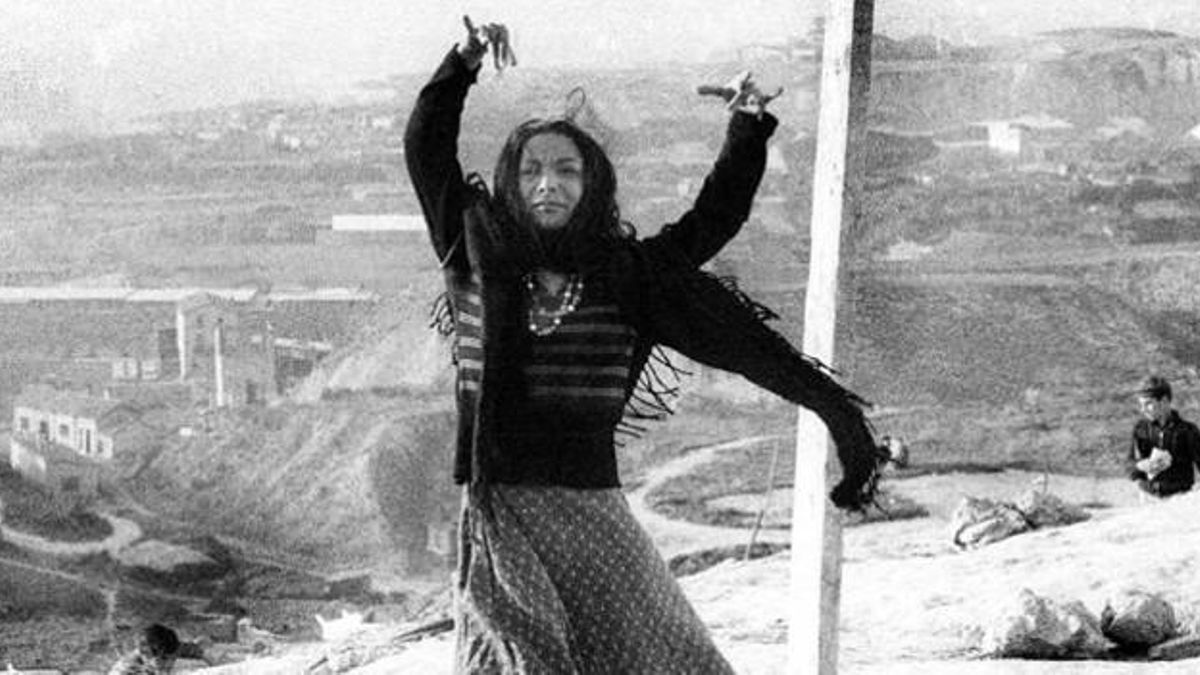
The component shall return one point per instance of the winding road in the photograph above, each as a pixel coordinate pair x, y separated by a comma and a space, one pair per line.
676, 536
124, 533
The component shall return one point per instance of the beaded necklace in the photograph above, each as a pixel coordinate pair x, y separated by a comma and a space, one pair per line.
543, 318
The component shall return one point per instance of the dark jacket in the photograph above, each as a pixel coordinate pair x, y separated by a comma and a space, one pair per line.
1178, 437
656, 282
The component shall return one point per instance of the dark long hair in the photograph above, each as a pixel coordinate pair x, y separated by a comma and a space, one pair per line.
595, 225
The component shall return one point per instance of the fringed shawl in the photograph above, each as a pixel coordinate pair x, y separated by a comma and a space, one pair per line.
703, 317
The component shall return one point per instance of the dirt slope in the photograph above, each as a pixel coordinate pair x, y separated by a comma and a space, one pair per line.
347, 485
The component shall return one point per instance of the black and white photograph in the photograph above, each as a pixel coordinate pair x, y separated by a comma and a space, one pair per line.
815, 336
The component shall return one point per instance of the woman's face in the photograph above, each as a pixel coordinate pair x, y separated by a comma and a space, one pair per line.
551, 178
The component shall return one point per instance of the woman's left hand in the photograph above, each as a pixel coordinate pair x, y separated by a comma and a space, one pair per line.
741, 93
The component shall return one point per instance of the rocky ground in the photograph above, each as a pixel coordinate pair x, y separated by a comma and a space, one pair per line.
910, 599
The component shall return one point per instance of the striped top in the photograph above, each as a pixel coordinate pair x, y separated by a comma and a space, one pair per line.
581, 369
574, 382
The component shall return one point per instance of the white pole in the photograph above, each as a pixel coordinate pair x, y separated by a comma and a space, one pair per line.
218, 366
181, 340
816, 555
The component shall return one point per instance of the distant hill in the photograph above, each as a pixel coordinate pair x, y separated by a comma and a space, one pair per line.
1085, 76
926, 48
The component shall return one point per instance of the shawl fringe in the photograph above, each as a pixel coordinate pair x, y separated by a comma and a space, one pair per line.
654, 395
441, 314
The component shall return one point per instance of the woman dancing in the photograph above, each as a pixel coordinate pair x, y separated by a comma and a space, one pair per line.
556, 306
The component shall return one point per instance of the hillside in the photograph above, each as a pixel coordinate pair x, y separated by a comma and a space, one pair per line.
290, 483
1085, 76
394, 350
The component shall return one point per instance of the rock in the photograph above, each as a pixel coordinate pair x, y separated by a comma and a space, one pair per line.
161, 556
1043, 509
1186, 647
358, 586
1138, 619
341, 628
978, 521
1037, 627
894, 450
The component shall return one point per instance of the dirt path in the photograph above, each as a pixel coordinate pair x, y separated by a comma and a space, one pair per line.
674, 536
124, 533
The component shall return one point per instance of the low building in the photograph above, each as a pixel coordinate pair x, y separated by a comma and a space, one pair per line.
70, 419
66, 440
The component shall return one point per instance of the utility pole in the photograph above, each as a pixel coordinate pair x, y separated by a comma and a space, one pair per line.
816, 556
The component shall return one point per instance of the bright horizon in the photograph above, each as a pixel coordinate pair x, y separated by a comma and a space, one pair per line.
123, 58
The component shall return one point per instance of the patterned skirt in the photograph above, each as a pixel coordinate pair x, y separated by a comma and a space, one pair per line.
562, 580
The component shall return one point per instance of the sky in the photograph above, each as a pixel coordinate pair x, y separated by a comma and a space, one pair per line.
127, 57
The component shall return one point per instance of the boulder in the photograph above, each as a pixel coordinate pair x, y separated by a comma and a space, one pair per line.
979, 521
1035, 627
1138, 619
1043, 509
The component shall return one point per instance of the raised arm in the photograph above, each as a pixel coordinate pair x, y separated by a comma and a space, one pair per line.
727, 195
431, 136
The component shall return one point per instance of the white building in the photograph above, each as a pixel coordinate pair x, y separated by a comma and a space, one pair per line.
378, 222
69, 419
373, 229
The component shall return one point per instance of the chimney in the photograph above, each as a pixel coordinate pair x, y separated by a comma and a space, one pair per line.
218, 365
181, 341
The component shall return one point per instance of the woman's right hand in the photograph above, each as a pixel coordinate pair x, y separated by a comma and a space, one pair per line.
742, 93
481, 38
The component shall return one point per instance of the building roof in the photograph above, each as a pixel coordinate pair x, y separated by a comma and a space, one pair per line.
1124, 125
379, 222
61, 402
19, 294
181, 294
33, 293
304, 345
329, 294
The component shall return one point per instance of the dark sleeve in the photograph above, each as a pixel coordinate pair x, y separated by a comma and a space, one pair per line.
724, 202
1193, 444
763, 357
1132, 457
431, 152
766, 359
717, 325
